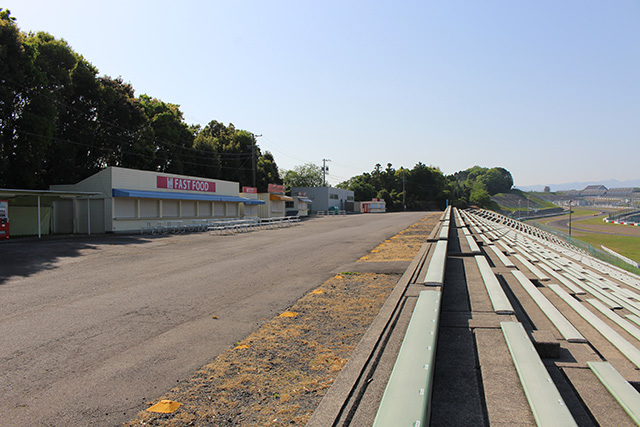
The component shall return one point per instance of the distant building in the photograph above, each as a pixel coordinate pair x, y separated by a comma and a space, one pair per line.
324, 198
547, 189
299, 205
593, 190
373, 206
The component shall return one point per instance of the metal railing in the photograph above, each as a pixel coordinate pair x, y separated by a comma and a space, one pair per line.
595, 252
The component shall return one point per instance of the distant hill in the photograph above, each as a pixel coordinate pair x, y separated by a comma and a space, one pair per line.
611, 183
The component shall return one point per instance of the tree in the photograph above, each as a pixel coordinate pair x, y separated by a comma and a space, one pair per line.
123, 127
361, 186
479, 195
60, 123
267, 172
307, 175
172, 138
498, 180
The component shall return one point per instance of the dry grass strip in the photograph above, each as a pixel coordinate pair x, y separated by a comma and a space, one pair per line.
404, 245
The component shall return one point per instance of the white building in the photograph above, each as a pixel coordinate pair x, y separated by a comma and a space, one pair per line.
129, 199
324, 198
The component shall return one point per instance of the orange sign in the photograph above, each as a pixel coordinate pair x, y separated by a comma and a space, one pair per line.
275, 188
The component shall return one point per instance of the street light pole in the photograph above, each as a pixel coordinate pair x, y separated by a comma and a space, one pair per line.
569, 218
404, 194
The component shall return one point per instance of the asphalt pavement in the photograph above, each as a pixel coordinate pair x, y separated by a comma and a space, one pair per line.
95, 326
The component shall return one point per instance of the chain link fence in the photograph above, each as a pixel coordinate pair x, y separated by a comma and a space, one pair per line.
595, 252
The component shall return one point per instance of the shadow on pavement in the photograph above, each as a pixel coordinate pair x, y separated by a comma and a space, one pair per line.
24, 257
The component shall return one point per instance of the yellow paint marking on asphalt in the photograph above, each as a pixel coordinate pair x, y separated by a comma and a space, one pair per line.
318, 291
165, 407
241, 346
289, 314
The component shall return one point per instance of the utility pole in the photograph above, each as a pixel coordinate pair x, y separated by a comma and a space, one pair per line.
569, 218
253, 156
404, 194
325, 169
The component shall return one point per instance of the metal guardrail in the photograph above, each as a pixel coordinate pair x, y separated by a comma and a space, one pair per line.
238, 226
221, 226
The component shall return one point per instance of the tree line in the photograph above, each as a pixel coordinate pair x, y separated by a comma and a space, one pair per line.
427, 188
61, 122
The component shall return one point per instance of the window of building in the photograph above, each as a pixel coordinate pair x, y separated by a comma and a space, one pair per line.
149, 208
204, 209
170, 208
188, 208
289, 204
219, 209
125, 207
333, 196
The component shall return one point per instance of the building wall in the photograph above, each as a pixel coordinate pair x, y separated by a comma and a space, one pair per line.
271, 208
324, 198
249, 211
129, 214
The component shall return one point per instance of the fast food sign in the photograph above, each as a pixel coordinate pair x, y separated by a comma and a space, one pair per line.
185, 184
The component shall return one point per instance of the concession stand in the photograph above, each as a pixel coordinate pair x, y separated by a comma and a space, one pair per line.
274, 200
130, 199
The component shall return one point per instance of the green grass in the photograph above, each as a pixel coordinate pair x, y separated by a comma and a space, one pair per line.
628, 246
542, 203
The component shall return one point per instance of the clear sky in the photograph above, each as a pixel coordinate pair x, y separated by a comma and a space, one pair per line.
548, 89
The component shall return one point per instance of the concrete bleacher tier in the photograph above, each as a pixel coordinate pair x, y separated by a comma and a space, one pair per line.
524, 330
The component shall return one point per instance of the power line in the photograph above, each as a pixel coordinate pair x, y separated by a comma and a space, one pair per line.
113, 150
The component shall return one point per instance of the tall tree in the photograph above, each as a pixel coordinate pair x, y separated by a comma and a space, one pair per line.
267, 172
172, 138
60, 122
307, 175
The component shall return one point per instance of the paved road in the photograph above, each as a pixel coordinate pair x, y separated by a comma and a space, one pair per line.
92, 328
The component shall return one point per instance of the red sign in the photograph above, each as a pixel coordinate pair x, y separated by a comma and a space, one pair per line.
275, 188
4, 219
251, 190
186, 184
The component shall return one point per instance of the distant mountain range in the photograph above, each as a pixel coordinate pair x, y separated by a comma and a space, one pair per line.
611, 183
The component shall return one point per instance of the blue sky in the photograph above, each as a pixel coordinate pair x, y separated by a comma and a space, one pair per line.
550, 90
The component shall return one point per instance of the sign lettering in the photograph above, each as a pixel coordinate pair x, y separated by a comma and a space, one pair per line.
185, 184
250, 190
